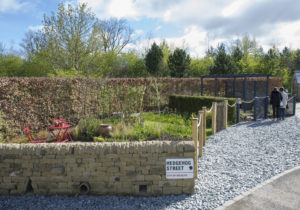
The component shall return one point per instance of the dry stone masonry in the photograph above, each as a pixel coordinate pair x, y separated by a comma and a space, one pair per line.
127, 168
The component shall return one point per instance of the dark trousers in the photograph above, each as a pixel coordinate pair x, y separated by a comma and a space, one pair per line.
275, 111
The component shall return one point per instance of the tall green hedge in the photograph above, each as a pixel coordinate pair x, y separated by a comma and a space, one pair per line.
193, 104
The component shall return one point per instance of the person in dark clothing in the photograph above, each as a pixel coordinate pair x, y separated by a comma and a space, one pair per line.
275, 102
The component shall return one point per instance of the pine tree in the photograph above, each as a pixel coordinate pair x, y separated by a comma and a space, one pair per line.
223, 63
154, 60
179, 62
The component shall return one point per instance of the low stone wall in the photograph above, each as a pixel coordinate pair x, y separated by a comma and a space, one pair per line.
135, 168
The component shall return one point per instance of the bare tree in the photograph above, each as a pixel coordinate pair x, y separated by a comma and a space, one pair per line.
33, 43
115, 34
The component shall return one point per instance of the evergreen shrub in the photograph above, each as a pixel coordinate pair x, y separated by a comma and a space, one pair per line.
193, 104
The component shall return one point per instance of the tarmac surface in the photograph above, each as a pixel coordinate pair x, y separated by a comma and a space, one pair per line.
281, 192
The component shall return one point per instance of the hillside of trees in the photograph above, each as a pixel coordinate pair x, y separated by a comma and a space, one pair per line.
75, 43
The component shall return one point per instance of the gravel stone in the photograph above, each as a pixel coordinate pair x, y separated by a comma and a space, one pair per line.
234, 161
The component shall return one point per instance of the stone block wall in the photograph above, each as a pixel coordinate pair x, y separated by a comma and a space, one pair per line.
135, 168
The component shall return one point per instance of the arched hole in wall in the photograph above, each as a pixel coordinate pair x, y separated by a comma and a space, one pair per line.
29, 188
142, 189
84, 188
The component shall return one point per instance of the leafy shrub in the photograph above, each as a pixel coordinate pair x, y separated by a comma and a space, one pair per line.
99, 139
193, 104
5, 131
87, 129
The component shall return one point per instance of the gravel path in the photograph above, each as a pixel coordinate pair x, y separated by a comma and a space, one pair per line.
234, 161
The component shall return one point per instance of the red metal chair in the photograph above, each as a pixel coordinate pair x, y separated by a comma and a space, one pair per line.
31, 139
58, 122
60, 125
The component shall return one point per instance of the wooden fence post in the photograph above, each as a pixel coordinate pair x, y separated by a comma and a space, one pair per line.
214, 118
195, 139
200, 133
204, 125
226, 113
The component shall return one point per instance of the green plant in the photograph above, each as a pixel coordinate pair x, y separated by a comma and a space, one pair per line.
88, 128
5, 131
152, 126
98, 139
75, 133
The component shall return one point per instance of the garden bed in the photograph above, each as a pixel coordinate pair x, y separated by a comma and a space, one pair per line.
135, 127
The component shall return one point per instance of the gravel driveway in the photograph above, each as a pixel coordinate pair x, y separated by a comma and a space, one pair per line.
234, 161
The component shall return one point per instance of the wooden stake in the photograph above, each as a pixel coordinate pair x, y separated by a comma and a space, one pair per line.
195, 139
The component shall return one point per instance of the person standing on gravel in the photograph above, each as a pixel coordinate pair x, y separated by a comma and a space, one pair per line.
275, 102
283, 103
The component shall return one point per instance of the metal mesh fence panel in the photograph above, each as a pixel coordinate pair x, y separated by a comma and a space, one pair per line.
220, 116
260, 108
290, 106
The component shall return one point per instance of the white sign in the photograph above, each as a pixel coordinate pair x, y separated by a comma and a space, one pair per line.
180, 168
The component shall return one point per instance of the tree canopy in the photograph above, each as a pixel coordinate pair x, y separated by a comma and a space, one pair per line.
179, 63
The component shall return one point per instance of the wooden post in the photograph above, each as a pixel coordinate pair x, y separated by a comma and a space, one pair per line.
226, 113
204, 125
214, 118
195, 139
200, 133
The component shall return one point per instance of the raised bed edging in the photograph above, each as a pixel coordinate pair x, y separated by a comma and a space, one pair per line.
126, 168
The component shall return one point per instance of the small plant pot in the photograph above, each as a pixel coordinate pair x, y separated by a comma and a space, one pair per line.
105, 130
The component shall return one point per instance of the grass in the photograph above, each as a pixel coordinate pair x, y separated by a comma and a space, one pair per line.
24, 139
150, 126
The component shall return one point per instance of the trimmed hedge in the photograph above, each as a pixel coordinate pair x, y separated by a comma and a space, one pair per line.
193, 104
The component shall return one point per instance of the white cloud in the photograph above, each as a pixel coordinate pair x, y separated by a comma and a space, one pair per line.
269, 21
12, 5
283, 34
35, 28
122, 9
157, 28
194, 40
235, 7
139, 32
113, 8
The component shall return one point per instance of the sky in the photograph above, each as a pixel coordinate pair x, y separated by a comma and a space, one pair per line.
190, 24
